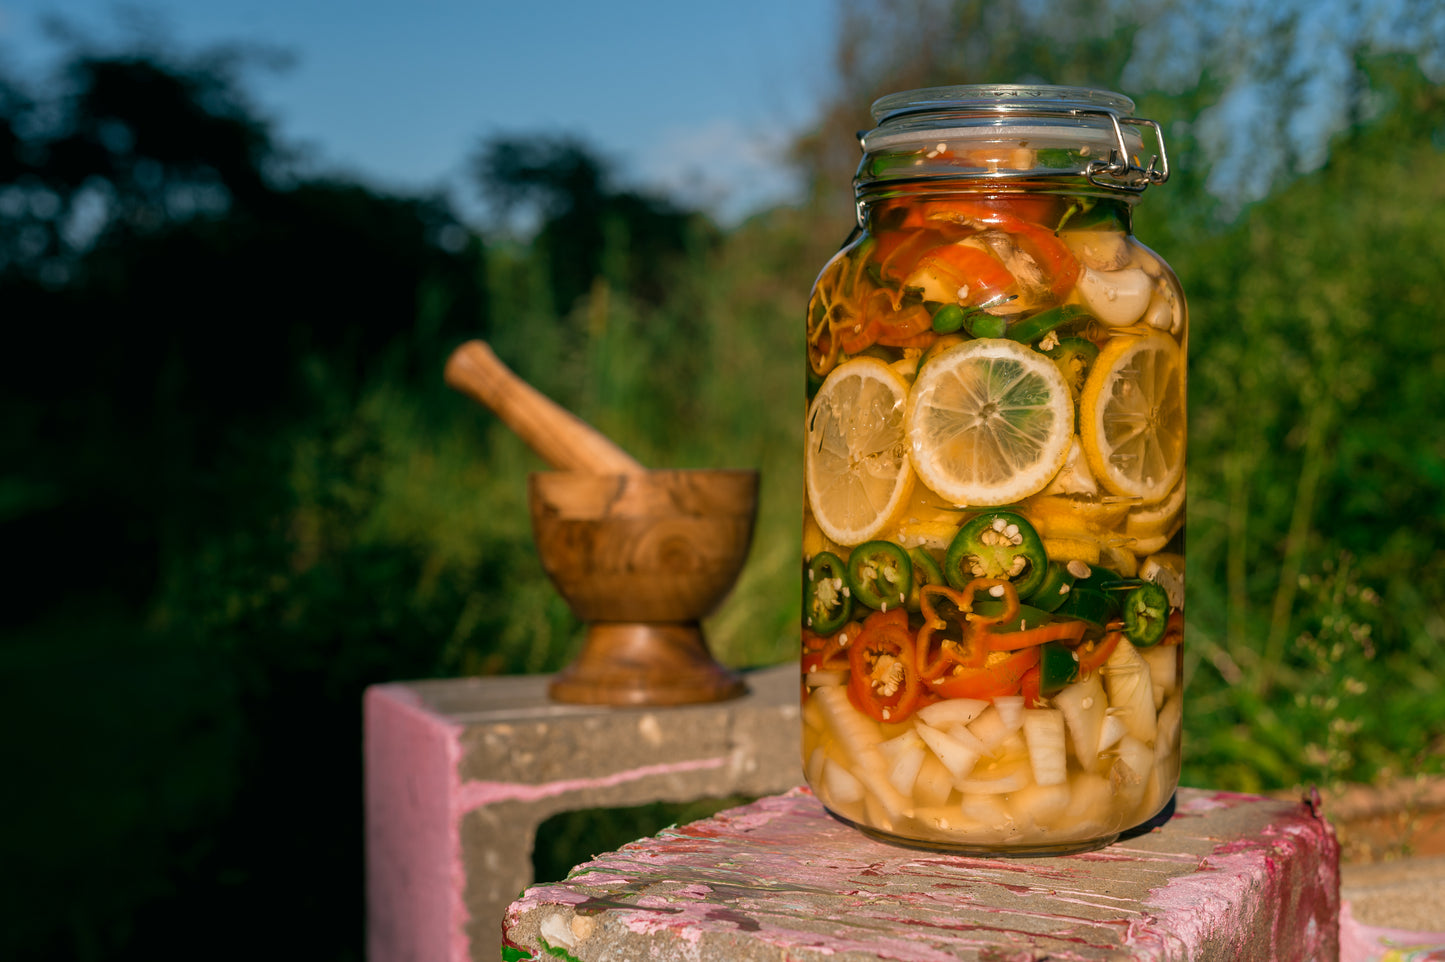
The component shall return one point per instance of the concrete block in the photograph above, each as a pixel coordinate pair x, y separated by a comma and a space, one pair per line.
1393, 910
1227, 877
460, 772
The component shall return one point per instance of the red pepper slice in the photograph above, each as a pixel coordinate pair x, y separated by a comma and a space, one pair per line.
1092, 659
883, 322
883, 681
1001, 677
829, 652
1030, 687
911, 326
897, 251
949, 618
964, 274
1052, 255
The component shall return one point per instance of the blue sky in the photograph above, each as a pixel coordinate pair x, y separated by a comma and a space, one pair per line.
691, 97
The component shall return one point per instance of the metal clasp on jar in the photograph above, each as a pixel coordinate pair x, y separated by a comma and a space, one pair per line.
1118, 165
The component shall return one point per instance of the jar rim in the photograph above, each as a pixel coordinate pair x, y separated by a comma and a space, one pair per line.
1083, 131
1030, 98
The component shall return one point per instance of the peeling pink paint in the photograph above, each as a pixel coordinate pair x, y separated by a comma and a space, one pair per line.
782, 877
476, 794
1372, 943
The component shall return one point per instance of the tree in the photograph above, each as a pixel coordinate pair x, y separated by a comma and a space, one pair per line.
202, 341
586, 227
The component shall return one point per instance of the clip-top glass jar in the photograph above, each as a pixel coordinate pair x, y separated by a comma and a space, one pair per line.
993, 523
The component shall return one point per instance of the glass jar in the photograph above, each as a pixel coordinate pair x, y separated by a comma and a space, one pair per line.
994, 515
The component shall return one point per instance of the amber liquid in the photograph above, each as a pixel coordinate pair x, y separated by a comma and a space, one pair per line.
971, 354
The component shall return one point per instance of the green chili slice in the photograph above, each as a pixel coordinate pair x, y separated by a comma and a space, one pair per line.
880, 575
1100, 579
1025, 618
1146, 614
827, 603
1074, 357
1098, 608
997, 544
948, 319
1054, 589
1058, 667
926, 571
1032, 328
982, 324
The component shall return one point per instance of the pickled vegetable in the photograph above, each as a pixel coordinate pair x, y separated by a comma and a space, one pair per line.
997, 432
994, 482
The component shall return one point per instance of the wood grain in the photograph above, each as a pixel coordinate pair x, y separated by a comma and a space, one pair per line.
562, 439
642, 558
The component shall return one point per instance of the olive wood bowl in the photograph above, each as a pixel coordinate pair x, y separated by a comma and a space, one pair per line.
642, 558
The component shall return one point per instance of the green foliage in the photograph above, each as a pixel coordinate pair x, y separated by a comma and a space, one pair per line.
242, 494
1315, 472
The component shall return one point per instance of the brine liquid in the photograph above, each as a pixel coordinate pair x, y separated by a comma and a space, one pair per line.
996, 394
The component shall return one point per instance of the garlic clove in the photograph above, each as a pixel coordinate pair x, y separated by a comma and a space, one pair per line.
1164, 312
1116, 298
1099, 250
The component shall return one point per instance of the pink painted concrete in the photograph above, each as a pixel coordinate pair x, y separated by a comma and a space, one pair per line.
1373, 943
414, 873
1230, 877
476, 794
461, 773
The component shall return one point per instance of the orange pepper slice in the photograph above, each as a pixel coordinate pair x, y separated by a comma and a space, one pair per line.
969, 649
1003, 677
1066, 631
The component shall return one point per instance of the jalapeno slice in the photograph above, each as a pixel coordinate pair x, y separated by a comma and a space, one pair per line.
827, 603
1054, 589
1058, 668
1097, 608
880, 575
926, 571
1146, 615
1099, 579
1074, 357
1032, 328
1019, 618
997, 544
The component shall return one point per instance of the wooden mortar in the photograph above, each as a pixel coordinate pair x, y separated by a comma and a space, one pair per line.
641, 556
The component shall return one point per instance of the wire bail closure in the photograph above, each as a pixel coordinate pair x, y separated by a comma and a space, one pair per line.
1118, 165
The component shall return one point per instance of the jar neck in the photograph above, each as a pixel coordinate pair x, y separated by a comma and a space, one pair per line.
1014, 137
1071, 204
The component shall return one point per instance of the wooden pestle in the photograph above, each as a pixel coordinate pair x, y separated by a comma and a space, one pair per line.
565, 441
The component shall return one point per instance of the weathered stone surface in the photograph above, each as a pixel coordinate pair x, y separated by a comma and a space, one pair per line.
1229, 877
460, 772
1408, 894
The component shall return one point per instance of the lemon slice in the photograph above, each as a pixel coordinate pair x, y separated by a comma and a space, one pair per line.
1072, 549
1152, 525
1131, 416
856, 467
1060, 516
989, 422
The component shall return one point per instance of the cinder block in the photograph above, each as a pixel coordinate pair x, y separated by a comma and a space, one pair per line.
460, 772
1228, 877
